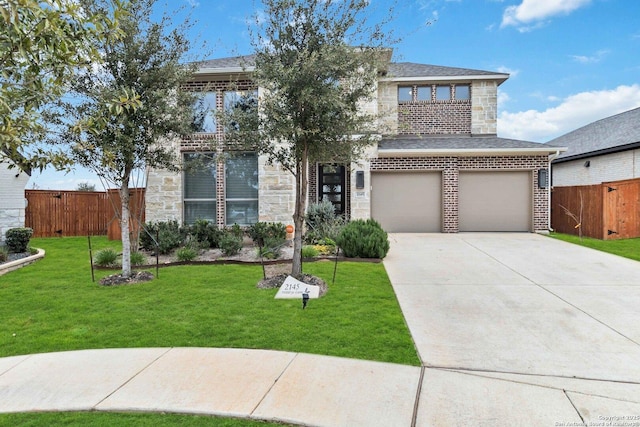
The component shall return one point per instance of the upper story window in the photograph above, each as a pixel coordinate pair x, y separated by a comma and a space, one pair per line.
463, 92
443, 93
205, 113
245, 101
423, 93
405, 93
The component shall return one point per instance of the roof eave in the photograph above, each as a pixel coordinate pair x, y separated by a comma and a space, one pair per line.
499, 77
225, 70
610, 150
424, 152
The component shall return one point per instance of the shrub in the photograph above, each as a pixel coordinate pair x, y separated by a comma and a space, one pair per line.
309, 252
363, 239
230, 243
170, 236
106, 258
322, 222
138, 258
186, 253
261, 231
17, 239
205, 233
4, 254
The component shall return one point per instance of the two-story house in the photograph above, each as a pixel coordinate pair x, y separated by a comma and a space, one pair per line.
438, 166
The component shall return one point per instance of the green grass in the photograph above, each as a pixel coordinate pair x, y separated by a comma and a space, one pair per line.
52, 305
105, 419
628, 248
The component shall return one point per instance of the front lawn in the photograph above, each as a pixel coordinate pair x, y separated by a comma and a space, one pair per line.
52, 305
628, 248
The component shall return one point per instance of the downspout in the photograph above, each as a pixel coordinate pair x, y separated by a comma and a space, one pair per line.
552, 157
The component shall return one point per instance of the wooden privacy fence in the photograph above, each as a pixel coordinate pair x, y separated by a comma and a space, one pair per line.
610, 210
80, 213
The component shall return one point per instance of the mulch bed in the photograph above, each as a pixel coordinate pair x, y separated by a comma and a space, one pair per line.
118, 279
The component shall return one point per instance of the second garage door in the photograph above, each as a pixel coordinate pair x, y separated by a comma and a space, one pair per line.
495, 201
407, 202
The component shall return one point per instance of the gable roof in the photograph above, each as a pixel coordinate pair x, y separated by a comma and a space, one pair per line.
400, 71
460, 145
609, 135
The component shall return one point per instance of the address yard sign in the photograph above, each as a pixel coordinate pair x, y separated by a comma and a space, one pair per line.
293, 288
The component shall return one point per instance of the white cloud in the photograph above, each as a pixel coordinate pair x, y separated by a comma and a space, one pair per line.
575, 111
503, 98
534, 11
511, 72
596, 57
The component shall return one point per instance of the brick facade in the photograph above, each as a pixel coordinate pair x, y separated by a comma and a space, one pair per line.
435, 117
450, 166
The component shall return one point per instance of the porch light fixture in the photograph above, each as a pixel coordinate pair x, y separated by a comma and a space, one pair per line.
543, 178
587, 163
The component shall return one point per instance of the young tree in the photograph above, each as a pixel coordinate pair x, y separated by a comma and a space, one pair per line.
115, 138
317, 61
42, 44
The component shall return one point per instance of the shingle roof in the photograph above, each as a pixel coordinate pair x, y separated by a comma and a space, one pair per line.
615, 133
231, 62
461, 142
411, 69
396, 70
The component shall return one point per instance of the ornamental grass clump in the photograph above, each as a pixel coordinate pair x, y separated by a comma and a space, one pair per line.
363, 239
106, 258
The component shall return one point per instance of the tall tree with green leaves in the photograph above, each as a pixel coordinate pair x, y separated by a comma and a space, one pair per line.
318, 62
42, 44
115, 138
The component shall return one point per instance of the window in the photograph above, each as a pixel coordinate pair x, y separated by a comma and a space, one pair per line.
424, 93
443, 93
241, 180
243, 101
199, 187
205, 113
405, 93
463, 92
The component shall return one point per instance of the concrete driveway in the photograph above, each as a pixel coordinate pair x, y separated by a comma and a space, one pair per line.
514, 326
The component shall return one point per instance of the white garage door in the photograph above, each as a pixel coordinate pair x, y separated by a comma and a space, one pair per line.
407, 202
495, 201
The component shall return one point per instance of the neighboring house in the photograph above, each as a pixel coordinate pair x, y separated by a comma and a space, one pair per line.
12, 201
603, 151
438, 166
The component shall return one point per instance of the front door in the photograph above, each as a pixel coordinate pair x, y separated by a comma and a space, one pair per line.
331, 186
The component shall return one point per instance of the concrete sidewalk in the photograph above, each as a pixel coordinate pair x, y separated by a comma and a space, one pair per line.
268, 385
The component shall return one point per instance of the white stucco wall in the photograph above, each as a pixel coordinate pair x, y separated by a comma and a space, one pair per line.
12, 201
605, 168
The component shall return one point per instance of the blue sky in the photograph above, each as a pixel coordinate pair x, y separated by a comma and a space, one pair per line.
571, 61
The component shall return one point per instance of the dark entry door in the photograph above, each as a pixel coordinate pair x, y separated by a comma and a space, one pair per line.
331, 186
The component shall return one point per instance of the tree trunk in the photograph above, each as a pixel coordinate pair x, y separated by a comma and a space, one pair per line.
124, 227
298, 215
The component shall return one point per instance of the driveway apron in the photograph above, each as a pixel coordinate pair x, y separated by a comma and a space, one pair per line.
519, 328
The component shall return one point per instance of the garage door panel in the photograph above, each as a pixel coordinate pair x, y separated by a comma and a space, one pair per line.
407, 201
495, 201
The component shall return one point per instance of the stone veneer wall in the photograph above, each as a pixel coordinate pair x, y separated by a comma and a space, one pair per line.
451, 166
484, 107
